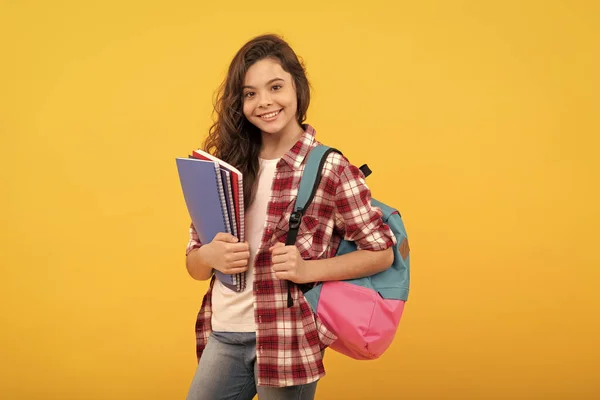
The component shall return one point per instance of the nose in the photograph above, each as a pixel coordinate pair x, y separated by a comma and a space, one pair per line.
265, 100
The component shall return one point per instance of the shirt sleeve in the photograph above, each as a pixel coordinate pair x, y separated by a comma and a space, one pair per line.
194, 242
356, 217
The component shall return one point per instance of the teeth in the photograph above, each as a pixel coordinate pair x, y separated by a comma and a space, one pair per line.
270, 115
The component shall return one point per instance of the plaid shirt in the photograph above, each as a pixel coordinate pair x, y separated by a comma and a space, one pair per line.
290, 341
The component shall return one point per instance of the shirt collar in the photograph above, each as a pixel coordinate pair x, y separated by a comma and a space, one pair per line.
295, 156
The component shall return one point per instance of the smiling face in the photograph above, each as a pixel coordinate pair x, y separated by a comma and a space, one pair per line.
269, 98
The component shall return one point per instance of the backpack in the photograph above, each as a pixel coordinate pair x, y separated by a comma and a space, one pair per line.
363, 313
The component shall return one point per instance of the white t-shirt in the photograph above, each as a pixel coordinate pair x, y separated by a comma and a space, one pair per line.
234, 311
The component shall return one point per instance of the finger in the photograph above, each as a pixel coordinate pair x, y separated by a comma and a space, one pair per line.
280, 259
284, 276
281, 250
235, 270
235, 257
276, 246
225, 237
241, 255
282, 267
238, 264
237, 247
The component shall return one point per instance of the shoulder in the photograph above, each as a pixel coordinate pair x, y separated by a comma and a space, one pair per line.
335, 162
339, 174
338, 166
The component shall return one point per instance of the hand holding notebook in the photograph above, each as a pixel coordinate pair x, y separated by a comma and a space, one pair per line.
213, 192
227, 254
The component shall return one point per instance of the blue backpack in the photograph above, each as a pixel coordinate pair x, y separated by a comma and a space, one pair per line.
363, 313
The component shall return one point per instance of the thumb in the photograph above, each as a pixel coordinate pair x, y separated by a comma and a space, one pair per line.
225, 237
276, 245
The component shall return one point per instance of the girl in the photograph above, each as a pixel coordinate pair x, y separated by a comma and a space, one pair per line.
254, 342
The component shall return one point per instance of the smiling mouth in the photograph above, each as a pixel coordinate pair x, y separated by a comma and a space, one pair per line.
270, 115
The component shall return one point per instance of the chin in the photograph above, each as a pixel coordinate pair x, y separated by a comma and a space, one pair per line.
271, 128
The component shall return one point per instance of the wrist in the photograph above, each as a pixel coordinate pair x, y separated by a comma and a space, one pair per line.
205, 250
197, 264
311, 273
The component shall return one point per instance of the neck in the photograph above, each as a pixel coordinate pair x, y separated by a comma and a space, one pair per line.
276, 145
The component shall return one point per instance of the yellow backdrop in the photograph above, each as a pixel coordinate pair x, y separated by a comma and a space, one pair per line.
478, 118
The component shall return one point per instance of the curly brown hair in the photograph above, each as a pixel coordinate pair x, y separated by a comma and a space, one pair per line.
232, 137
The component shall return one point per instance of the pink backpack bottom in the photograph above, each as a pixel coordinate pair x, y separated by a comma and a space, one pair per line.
364, 322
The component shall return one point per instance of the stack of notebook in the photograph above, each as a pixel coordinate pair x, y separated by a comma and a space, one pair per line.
213, 192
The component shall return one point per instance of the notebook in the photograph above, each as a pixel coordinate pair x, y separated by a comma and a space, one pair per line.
228, 191
237, 182
204, 189
238, 279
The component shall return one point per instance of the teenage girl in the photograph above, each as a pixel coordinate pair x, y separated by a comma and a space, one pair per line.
253, 341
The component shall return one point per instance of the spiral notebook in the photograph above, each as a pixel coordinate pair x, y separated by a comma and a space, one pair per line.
209, 195
237, 186
237, 191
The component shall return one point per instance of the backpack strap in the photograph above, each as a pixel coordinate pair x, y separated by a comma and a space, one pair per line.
309, 182
365, 170
311, 177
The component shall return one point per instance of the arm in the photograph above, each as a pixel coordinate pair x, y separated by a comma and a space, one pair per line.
353, 265
224, 253
195, 258
360, 222
288, 264
197, 265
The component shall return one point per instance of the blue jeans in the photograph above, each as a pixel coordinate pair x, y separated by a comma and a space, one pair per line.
227, 371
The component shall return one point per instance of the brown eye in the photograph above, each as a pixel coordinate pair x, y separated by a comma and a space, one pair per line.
276, 87
248, 95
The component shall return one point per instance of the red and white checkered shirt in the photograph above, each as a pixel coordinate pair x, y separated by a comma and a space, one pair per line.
290, 341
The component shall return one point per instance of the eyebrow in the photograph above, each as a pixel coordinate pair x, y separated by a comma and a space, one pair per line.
268, 83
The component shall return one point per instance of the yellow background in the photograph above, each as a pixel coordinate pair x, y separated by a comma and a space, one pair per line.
478, 118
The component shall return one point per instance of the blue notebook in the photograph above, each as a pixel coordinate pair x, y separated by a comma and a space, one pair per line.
206, 199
